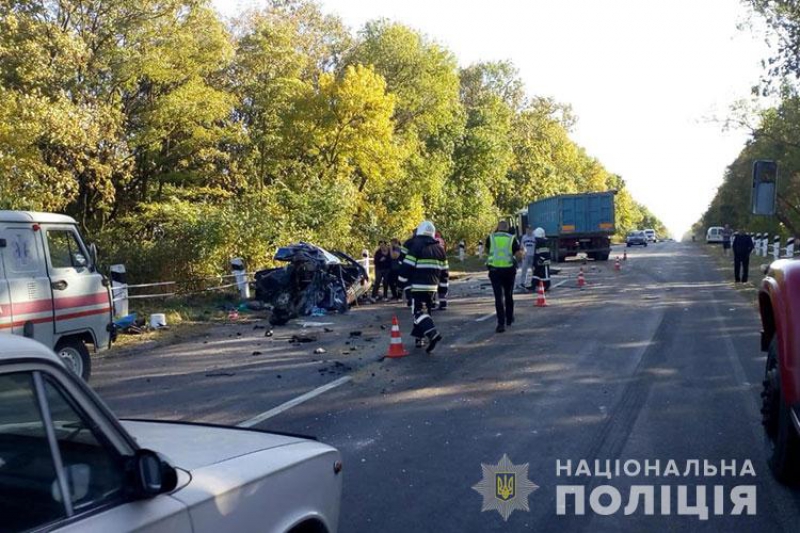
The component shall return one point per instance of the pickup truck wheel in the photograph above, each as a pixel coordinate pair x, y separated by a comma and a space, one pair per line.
76, 356
782, 439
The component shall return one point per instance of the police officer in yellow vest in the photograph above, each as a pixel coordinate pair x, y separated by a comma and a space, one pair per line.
503, 251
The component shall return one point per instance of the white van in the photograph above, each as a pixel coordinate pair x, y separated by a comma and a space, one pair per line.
714, 234
50, 289
650, 234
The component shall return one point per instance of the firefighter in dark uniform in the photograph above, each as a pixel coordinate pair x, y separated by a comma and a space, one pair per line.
503, 251
425, 274
541, 262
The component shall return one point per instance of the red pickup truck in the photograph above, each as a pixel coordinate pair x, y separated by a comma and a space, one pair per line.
779, 304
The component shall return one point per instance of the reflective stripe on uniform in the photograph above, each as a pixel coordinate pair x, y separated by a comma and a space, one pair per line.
423, 288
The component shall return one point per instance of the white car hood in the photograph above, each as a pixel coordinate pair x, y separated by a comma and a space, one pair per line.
193, 446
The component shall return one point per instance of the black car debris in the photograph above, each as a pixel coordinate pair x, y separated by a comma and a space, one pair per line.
314, 279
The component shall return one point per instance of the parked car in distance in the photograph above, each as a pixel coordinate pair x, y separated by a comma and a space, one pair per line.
636, 238
714, 234
69, 465
651, 235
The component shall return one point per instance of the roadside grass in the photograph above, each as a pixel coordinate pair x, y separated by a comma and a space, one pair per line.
185, 315
724, 265
470, 265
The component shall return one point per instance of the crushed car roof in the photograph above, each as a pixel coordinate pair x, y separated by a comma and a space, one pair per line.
289, 253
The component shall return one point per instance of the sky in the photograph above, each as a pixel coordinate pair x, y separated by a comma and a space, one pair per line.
649, 81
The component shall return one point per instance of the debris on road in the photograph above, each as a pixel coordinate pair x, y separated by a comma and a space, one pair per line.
304, 338
220, 374
319, 351
268, 333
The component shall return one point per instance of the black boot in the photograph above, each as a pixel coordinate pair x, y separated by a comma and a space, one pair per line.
433, 342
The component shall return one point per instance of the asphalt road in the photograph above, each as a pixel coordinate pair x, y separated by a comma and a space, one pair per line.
660, 361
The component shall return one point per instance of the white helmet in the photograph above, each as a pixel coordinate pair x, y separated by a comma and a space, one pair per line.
538, 233
426, 228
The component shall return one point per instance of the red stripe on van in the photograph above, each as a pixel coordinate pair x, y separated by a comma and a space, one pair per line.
82, 301
22, 322
69, 302
80, 314
28, 308
68, 316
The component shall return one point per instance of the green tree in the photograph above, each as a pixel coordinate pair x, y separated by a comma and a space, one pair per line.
423, 76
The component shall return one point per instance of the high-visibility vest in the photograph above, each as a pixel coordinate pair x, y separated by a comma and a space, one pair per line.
500, 254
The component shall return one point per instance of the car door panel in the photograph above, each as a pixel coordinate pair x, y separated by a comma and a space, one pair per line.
28, 285
162, 514
81, 301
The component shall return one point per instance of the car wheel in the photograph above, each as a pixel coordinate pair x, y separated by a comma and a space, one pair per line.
75, 355
628, 245
782, 439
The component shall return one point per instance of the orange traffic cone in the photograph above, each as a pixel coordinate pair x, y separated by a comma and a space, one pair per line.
396, 348
625, 255
581, 279
617, 266
541, 301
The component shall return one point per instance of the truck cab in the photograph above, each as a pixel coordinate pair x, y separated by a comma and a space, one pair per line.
779, 307
50, 288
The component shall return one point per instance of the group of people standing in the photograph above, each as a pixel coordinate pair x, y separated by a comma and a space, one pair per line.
419, 269
387, 261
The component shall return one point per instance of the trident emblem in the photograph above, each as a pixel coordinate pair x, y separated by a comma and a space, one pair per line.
506, 485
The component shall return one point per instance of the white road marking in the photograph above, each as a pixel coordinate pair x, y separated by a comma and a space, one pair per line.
487, 317
293, 403
560, 283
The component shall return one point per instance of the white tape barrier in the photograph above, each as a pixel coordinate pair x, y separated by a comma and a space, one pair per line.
120, 291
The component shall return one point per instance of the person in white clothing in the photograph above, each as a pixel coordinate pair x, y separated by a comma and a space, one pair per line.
529, 245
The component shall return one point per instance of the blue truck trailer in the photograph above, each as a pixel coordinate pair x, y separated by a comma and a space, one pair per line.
576, 223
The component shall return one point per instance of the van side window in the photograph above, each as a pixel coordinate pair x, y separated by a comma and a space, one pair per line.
65, 250
22, 254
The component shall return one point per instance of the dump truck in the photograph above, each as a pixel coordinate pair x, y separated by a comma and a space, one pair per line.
576, 223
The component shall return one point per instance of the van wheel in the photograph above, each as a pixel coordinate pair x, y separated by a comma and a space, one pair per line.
782, 439
75, 355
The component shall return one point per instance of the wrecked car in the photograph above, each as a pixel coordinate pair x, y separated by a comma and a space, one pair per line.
314, 279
